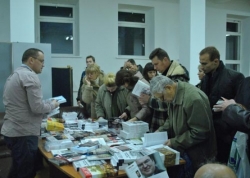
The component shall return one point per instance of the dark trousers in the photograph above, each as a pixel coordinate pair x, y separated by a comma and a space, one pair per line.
23, 152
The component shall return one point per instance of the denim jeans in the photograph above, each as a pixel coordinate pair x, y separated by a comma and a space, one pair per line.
23, 152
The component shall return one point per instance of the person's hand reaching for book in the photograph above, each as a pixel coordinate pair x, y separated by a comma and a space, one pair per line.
101, 119
133, 119
123, 116
168, 143
55, 103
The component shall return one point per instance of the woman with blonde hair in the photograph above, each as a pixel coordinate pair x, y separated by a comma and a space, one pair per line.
111, 100
91, 84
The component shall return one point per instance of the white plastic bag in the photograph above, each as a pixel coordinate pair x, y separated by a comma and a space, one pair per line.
238, 159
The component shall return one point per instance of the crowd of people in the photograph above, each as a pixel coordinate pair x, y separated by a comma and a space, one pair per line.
198, 127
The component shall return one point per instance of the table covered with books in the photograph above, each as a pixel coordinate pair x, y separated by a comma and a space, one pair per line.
79, 147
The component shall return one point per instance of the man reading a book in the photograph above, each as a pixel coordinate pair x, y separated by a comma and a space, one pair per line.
189, 123
147, 166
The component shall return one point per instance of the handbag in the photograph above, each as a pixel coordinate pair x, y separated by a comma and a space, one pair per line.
238, 158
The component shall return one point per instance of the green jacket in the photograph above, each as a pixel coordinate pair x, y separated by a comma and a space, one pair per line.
103, 103
190, 125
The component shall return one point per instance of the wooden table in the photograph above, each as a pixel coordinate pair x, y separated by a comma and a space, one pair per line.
67, 171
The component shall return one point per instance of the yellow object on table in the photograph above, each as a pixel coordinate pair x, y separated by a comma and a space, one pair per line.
54, 126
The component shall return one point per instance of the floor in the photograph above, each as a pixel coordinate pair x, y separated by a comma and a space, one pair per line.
44, 172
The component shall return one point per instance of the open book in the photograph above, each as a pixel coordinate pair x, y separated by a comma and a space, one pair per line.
141, 87
149, 138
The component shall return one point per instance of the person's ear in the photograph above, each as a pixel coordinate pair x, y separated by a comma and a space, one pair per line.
216, 60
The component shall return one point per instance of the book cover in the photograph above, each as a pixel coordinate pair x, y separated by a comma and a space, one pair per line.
70, 157
147, 166
84, 163
98, 171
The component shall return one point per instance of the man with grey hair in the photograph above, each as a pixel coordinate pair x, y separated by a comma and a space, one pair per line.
189, 124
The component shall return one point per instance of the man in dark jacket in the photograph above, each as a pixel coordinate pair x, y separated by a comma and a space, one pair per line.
218, 82
236, 113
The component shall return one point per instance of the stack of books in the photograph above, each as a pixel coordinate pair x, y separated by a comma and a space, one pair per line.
88, 145
172, 157
134, 129
52, 143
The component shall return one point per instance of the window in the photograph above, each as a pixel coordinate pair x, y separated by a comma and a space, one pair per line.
131, 34
233, 42
56, 25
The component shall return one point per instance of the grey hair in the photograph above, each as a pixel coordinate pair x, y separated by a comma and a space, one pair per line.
158, 83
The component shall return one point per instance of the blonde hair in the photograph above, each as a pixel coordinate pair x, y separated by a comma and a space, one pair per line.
93, 68
109, 79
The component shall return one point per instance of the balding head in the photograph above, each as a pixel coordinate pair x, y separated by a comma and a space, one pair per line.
214, 171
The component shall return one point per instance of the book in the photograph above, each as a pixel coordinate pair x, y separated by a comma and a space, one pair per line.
85, 163
97, 171
122, 148
172, 157
105, 156
58, 161
127, 157
70, 157
113, 141
154, 167
134, 129
149, 138
85, 147
134, 141
60, 99
60, 152
140, 87
52, 143
54, 112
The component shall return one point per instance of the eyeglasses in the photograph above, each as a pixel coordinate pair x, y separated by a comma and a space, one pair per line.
40, 60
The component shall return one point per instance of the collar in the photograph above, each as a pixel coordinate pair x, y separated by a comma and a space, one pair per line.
26, 66
178, 99
166, 71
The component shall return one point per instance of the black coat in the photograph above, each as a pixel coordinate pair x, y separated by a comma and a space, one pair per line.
239, 119
223, 82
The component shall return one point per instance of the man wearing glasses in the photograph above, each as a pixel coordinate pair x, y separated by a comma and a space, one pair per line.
24, 111
189, 123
